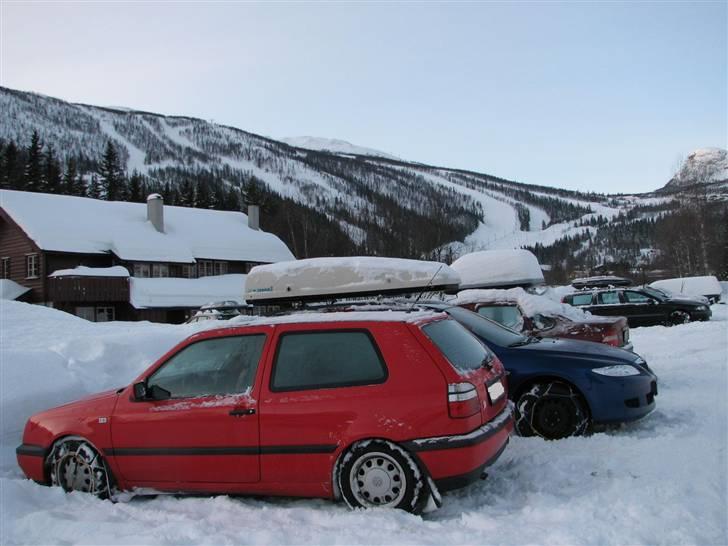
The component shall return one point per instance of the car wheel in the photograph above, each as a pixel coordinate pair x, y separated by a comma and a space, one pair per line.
551, 410
75, 465
377, 473
679, 317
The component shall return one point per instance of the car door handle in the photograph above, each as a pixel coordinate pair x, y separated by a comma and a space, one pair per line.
239, 412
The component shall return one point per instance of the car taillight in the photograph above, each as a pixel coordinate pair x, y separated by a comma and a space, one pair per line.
462, 400
613, 337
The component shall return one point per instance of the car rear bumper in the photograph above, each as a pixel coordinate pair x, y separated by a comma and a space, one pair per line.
622, 399
455, 461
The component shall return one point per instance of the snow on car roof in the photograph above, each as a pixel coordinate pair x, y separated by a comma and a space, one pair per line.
413, 317
530, 304
327, 278
493, 268
92, 226
707, 285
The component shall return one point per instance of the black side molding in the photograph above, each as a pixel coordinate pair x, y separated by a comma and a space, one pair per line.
456, 482
30, 450
222, 450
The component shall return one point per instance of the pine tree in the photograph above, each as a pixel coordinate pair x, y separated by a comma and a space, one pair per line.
33, 171
202, 196
51, 172
232, 199
94, 188
136, 192
186, 194
112, 175
9, 176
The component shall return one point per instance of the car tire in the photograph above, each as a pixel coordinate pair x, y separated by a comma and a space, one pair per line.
75, 465
552, 410
377, 473
679, 317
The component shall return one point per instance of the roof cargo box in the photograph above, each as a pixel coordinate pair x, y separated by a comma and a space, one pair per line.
324, 279
498, 269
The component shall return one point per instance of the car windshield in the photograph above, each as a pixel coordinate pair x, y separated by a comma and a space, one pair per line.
486, 329
654, 292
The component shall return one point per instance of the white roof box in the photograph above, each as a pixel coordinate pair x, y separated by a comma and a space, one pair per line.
498, 269
322, 279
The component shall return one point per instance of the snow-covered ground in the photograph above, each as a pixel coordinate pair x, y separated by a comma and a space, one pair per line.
659, 481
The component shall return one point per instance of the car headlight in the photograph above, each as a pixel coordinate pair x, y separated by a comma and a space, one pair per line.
618, 370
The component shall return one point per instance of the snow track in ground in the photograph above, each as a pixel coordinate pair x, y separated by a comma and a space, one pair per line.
661, 480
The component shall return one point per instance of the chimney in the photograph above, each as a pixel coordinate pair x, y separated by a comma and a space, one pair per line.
254, 217
155, 211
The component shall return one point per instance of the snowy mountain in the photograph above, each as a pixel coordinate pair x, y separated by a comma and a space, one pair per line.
703, 166
350, 200
333, 145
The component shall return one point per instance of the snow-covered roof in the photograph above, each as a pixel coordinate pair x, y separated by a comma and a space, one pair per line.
413, 317
64, 223
530, 304
188, 293
493, 268
83, 271
10, 290
325, 278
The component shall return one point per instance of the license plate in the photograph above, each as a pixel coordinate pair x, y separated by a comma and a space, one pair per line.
496, 390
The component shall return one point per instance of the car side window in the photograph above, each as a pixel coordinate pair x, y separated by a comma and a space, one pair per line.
507, 315
581, 299
636, 297
608, 298
224, 365
317, 360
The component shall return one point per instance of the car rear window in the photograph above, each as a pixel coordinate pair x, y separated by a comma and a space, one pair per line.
581, 299
459, 346
317, 360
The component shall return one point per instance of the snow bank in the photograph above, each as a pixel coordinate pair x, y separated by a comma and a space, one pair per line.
10, 290
83, 271
691, 286
189, 293
493, 268
530, 304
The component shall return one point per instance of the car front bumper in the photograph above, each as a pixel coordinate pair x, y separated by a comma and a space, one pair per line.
455, 461
622, 399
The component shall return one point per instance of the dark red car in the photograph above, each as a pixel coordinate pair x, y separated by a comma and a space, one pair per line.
525, 314
380, 409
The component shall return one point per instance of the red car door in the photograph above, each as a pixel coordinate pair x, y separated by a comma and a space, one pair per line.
207, 430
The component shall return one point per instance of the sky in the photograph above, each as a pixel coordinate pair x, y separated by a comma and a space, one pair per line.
598, 96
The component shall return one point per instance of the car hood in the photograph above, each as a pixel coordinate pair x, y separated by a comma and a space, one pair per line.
98, 399
578, 350
685, 301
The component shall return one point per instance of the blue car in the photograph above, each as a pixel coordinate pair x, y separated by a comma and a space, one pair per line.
563, 387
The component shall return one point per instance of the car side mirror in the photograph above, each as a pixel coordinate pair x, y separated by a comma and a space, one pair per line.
140, 391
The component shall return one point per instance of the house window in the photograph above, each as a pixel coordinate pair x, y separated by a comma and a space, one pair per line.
141, 270
96, 314
221, 268
32, 266
188, 271
160, 270
104, 314
205, 268
6, 267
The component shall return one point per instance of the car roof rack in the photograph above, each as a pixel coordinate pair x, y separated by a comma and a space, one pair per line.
602, 281
330, 279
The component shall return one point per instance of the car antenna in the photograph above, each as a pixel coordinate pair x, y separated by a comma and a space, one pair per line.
422, 291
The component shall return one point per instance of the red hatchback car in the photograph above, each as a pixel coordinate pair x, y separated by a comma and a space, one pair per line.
380, 408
